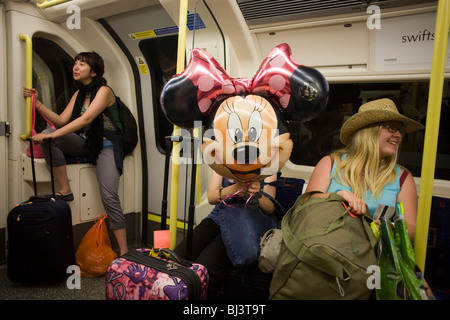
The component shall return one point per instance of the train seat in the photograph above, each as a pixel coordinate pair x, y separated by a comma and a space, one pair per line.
83, 181
77, 160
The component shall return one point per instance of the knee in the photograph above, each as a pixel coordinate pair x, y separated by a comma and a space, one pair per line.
117, 219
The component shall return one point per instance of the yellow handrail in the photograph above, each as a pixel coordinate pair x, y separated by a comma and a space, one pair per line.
182, 25
432, 131
29, 80
198, 185
50, 3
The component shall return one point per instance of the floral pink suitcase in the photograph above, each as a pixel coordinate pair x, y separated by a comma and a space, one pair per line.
138, 276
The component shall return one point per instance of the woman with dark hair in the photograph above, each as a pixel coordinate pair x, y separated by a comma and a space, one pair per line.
83, 130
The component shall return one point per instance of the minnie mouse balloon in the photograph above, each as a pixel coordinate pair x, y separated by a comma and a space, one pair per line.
246, 120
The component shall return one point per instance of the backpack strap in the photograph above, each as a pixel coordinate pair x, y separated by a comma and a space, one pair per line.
108, 113
403, 177
278, 210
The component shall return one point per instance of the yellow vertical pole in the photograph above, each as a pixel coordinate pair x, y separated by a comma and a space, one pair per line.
198, 186
432, 131
29, 80
182, 25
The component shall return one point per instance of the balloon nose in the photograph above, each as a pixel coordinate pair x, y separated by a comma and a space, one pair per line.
245, 154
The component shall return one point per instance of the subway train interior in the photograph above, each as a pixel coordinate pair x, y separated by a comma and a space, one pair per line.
364, 49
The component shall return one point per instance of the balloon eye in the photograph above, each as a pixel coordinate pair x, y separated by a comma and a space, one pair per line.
235, 128
252, 134
238, 135
255, 126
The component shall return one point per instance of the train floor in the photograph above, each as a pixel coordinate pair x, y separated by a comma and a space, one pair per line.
90, 289
94, 289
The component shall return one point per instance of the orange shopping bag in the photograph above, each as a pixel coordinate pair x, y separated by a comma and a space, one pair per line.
94, 254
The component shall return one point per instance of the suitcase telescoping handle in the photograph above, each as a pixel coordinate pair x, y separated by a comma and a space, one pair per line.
190, 231
169, 140
33, 170
194, 146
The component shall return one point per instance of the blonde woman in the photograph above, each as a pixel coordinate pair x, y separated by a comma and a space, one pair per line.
365, 171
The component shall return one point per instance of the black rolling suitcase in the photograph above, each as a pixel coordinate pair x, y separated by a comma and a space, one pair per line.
40, 238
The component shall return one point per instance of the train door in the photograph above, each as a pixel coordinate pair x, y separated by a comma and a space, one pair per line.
3, 136
54, 44
151, 36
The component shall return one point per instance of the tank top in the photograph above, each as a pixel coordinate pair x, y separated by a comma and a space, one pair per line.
388, 196
107, 124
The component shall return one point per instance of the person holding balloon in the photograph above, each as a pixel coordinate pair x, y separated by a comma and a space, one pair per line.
216, 235
246, 143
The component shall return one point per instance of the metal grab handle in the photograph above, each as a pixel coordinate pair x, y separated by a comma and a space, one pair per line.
29, 80
50, 3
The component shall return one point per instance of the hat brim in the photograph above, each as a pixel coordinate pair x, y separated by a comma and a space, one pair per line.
369, 117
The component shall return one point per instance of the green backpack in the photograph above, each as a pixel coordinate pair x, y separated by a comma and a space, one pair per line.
325, 252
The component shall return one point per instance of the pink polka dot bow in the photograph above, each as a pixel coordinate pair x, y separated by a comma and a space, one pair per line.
213, 82
298, 91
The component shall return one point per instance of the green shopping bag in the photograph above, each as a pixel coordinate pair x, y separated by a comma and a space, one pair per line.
400, 278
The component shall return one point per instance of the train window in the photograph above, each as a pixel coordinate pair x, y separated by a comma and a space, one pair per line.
161, 56
52, 77
320, 136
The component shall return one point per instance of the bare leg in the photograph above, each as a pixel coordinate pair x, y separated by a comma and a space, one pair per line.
121, 237
62, 179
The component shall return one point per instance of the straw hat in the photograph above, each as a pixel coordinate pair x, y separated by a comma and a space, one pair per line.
376, 111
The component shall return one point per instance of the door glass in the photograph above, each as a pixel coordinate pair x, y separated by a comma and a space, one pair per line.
52, 77
161, 55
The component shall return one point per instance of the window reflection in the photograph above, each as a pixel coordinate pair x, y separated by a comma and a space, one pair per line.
161, 56
319, 137
52, 77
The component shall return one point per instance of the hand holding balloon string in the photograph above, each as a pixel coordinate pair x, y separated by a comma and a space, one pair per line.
246, 190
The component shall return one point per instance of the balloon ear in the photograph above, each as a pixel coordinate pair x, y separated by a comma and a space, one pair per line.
192, 95
309, 94
179, 102
300, 91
